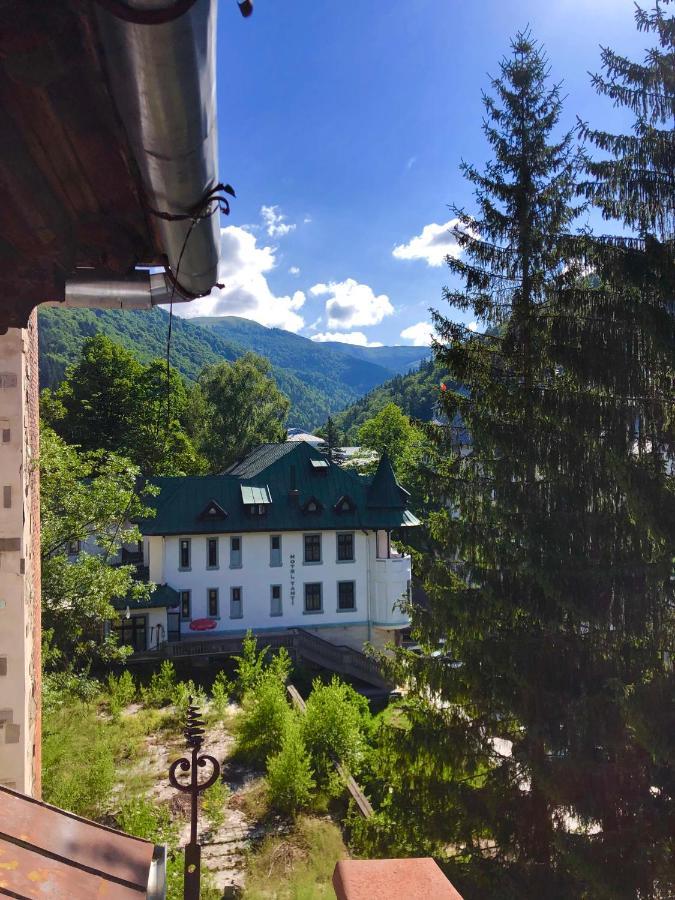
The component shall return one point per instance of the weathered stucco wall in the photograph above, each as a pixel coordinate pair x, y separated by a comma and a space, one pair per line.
19, 561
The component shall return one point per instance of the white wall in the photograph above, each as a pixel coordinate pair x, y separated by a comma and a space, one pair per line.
256, 576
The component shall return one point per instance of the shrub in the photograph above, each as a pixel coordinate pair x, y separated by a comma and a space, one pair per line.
182, 693
263, 721
252, 665
336, 723
121, 691
289, 773
59, 688
220, 693
145, 819
160, 690
214, 801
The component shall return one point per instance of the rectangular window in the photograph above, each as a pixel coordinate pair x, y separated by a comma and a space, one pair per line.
236, 605
212, 596
185, 605
184, 553
212, 553
312, 548
235, 553
275, 600
74, 547
313, 598
346, 600
345, 546
275, 550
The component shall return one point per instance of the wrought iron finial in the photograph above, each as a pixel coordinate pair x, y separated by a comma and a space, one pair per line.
194, 738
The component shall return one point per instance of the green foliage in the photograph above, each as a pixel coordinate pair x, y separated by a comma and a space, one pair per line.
147, 819
263, 721
62, 688
415, 393
298, 865
336, 725
85, 496
111, 401
213, 801
161, 688
252, 665
235, 407
289, 772
319, 379
221, 691
389, 431
78, 763
121, 691
183, 691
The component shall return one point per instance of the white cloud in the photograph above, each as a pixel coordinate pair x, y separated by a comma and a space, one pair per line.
351, 303
472, 326
294, 270
275, 221
433, 244
307, 220
353, 337
246, 292
411, 162
420, 334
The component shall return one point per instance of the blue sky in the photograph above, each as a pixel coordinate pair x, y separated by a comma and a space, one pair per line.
342, 124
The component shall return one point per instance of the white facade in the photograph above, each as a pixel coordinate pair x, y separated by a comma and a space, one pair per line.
262, 587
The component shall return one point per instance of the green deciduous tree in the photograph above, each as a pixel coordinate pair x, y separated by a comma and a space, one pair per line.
236, 407
110, 401
84, 496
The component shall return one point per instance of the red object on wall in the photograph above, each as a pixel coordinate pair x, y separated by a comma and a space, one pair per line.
202, 624
391, 879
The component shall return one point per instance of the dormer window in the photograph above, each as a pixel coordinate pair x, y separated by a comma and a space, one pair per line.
312, 506
345, 504
256, 499
213, 511
319, 466
257, 509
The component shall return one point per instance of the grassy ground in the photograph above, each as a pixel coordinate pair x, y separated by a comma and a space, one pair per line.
298, 865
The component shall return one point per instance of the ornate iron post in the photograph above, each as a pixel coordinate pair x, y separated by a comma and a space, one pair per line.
194, 736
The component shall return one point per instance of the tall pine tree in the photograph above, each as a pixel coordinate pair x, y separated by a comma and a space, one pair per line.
537, 770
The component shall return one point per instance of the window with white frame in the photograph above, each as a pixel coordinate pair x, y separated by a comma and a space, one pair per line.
212, 553
312, 545
184, 553
275, 600
313, 602
275, 549
212, 605
236, 603
235, 553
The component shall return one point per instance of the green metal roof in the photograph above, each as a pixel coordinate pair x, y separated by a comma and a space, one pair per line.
254, 495
291, 479
162, 596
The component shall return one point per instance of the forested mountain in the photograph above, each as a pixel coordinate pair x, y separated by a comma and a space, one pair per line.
319, 379
416, 393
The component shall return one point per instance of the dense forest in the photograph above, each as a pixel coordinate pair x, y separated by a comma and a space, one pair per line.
319, 379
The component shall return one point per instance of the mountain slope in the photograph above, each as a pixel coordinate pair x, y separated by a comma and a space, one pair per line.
320, 380
416, 393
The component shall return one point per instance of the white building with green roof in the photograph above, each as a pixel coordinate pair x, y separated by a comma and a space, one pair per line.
284, 539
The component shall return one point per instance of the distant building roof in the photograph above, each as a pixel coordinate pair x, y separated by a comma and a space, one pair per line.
297, 434
163, 596
286, 477
46, 852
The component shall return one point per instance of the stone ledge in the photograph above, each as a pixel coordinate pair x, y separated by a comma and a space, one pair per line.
391, 879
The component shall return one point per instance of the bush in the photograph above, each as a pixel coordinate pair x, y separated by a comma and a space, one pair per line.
181, 697
59, 688
263, 722
252, 665
336, 724
160, 690
121, 691
220, 693
145, 819
214, 801
289, 773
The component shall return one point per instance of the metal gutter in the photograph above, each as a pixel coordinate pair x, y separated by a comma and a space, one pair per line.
162, 78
